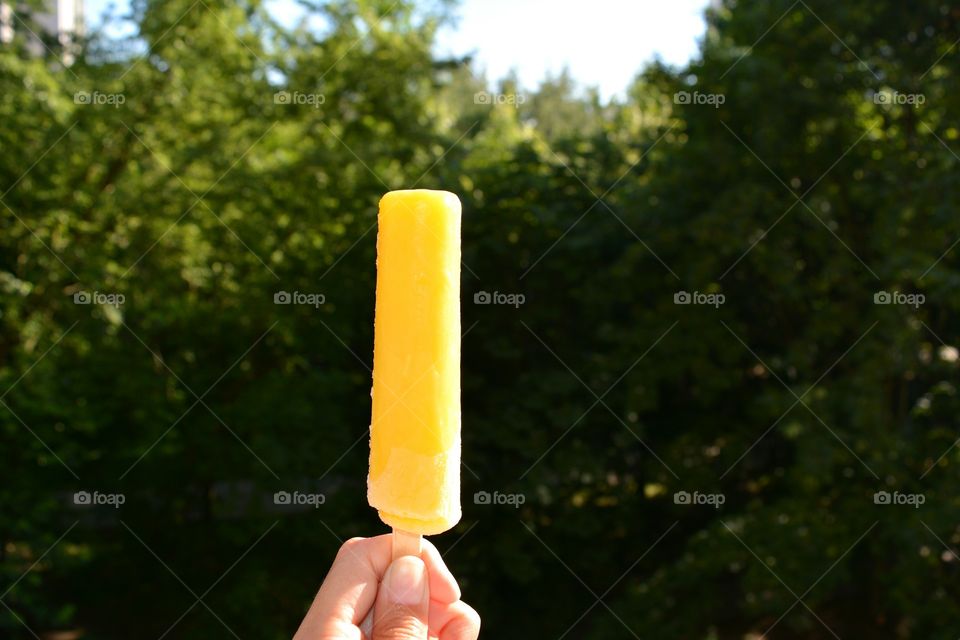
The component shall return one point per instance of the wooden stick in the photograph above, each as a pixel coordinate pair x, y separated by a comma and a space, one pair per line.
405, 543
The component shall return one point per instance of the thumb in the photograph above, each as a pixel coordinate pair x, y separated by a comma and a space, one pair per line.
403, 601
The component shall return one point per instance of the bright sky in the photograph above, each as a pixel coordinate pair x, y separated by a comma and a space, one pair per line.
604, 42
604, 45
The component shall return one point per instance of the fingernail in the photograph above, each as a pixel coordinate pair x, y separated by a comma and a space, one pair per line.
407, 580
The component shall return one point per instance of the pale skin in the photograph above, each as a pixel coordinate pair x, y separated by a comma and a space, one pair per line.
366, 597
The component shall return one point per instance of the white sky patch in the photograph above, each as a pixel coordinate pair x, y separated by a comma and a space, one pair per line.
604, 43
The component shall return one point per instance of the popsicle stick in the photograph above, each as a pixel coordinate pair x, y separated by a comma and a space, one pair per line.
406, 543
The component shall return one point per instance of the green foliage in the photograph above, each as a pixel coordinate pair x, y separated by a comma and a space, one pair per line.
243, 158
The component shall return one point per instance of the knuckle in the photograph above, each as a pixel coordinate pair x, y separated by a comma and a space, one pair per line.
470, 623
465, 625
399, 626
351, 546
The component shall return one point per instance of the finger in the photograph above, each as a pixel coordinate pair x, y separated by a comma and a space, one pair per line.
402, 608
366, 627
350, 588
372, 556
454, 621
443, 586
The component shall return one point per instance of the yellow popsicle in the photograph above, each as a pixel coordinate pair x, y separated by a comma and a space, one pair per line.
414, 479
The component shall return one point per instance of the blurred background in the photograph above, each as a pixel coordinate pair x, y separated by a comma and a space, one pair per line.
710, 274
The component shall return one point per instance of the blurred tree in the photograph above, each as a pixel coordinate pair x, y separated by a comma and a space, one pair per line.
558, 111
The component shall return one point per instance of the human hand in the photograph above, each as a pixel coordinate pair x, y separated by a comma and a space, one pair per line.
366, 597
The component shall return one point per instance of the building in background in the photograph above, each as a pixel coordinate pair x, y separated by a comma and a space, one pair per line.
54, 30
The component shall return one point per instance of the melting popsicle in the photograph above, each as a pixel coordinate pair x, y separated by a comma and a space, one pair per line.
414, 479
